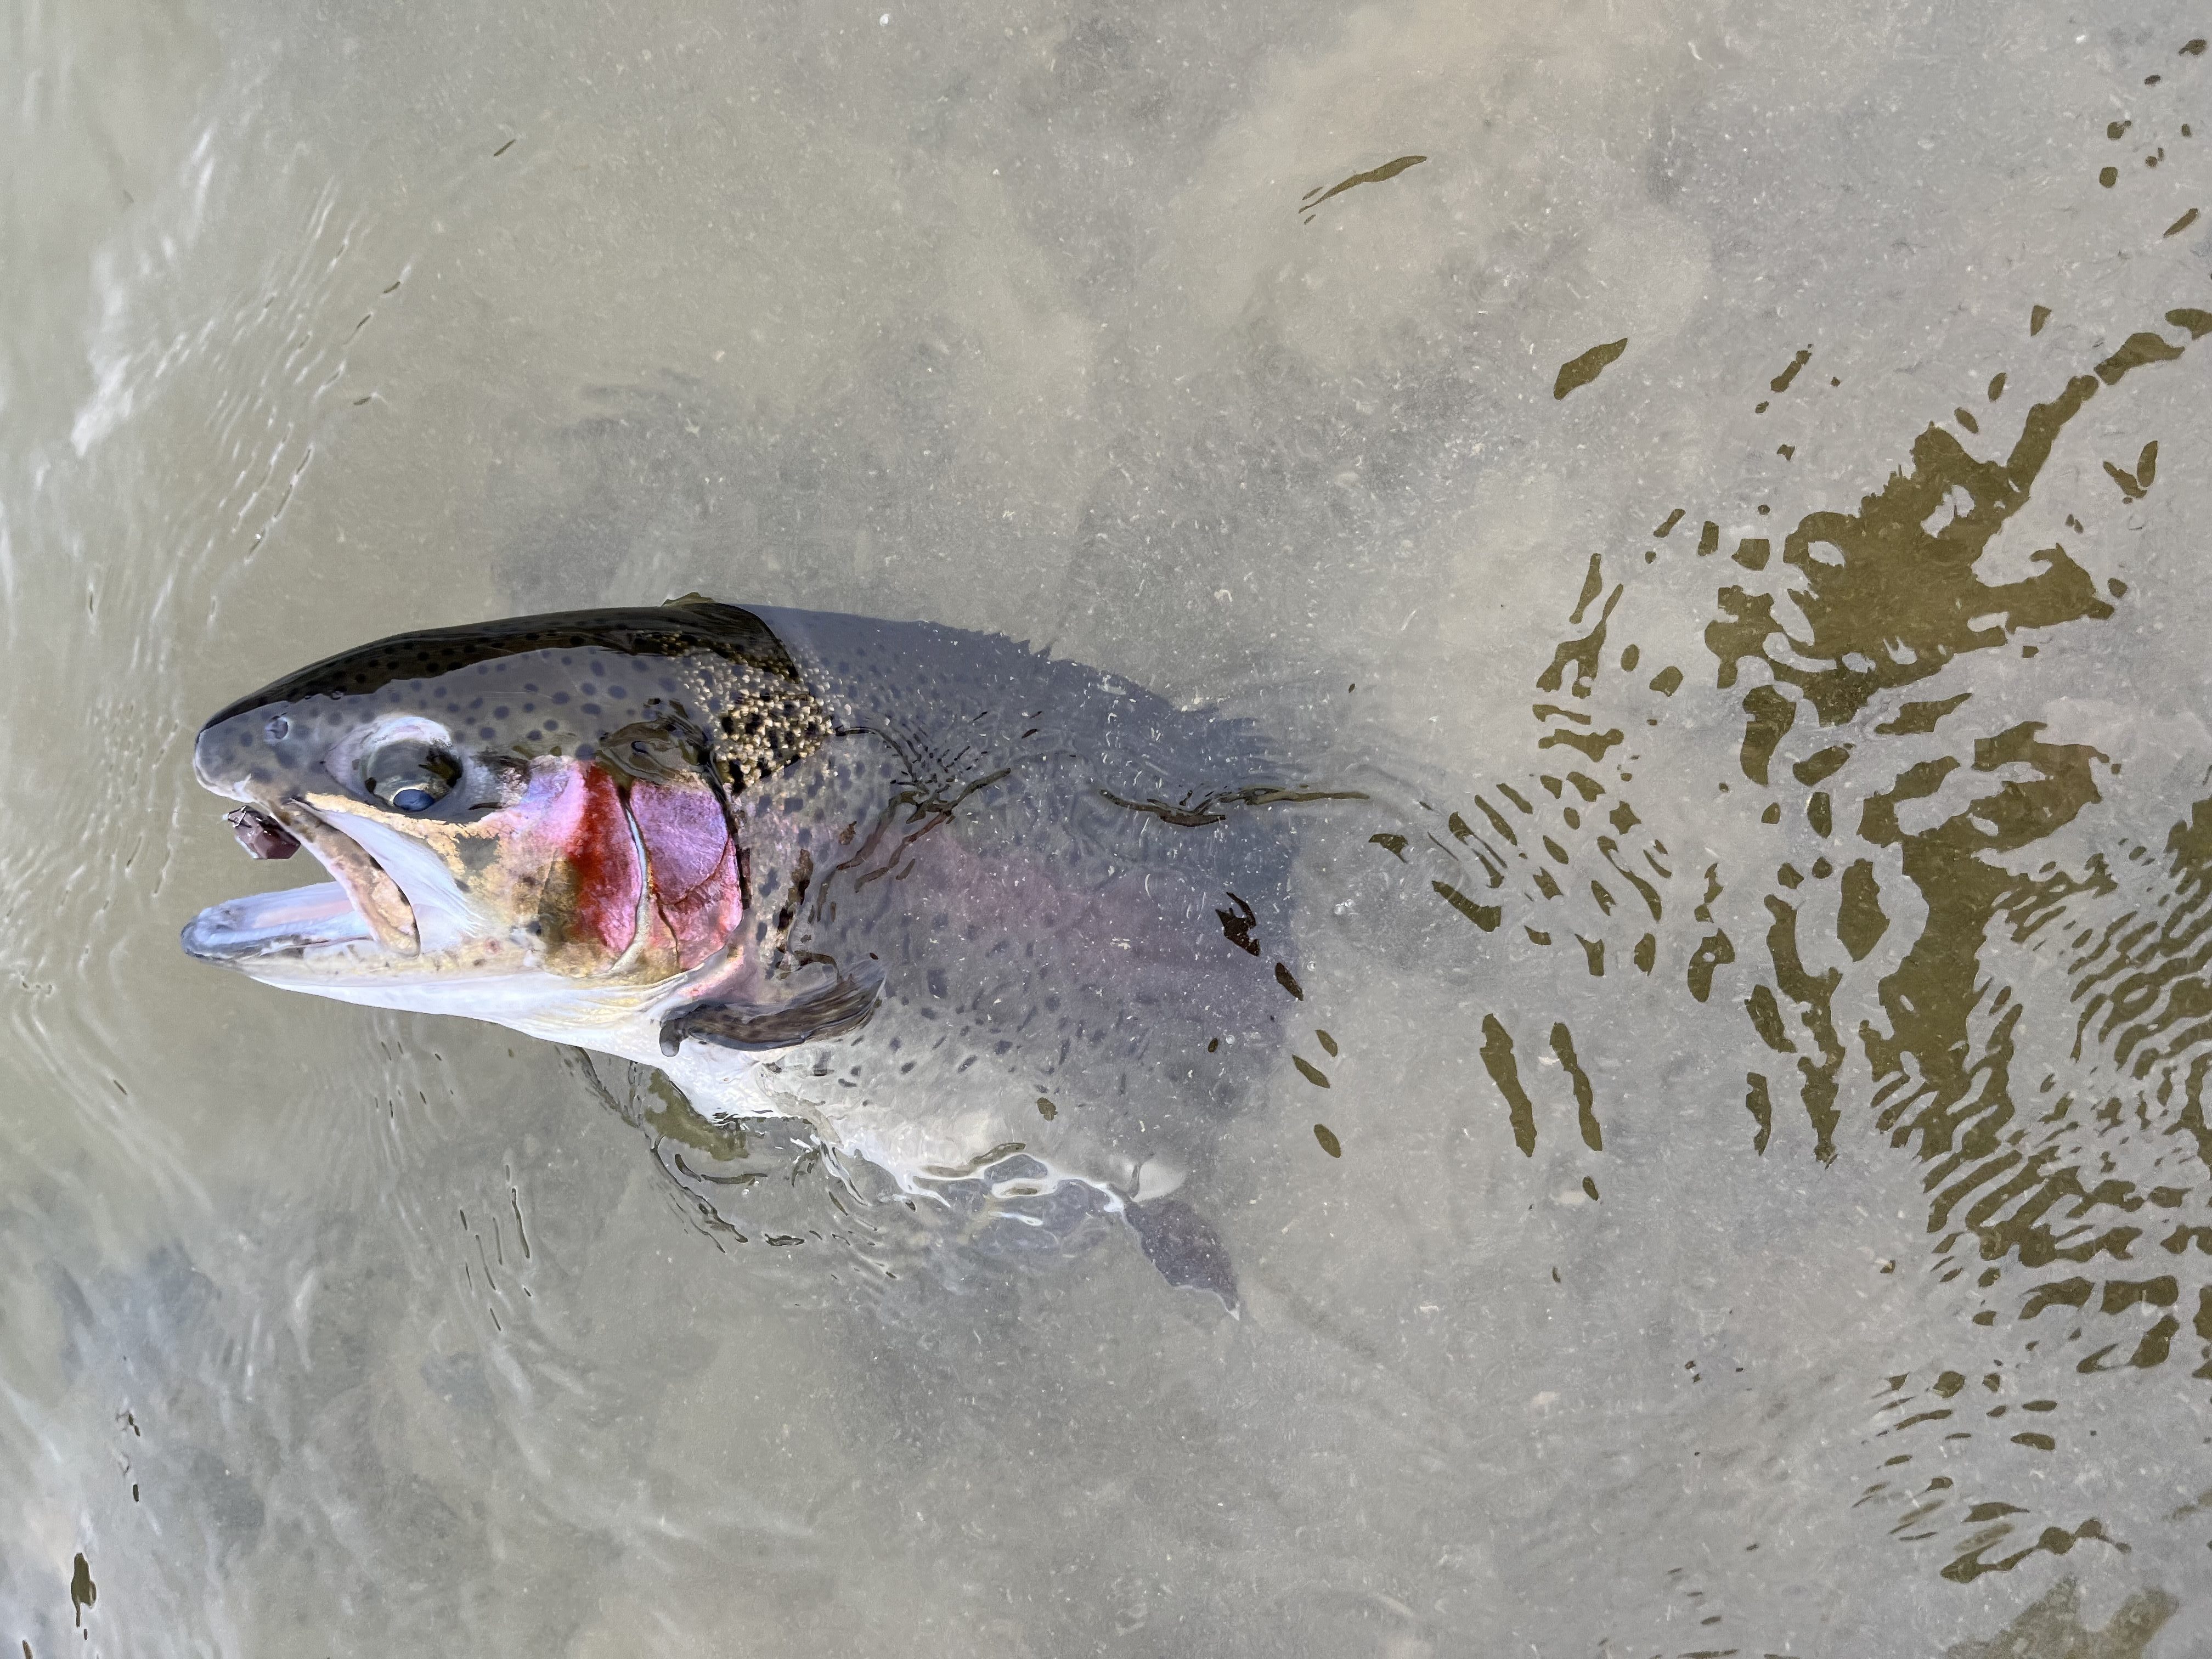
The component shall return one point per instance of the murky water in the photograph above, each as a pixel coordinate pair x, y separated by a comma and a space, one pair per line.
1729, 482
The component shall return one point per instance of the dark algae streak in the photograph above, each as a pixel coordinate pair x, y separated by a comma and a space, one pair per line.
1957, 954
1389, 170
1780, 382
1581, 370
2051, 1627
1498, 1059
1884, 598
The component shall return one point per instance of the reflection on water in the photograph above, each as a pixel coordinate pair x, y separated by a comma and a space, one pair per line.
1706, 501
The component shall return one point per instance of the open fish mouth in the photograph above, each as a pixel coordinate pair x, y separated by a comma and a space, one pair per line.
364, 912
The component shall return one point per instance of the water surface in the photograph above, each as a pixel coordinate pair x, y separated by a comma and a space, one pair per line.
1768, 1208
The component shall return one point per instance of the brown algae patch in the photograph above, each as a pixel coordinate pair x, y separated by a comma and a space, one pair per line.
1581, 370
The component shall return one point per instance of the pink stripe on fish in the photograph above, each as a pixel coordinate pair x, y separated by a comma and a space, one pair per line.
693, 866
604, 877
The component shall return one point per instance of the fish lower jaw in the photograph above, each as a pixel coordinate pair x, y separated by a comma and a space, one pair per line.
532, 1000
314, 939
266, 926
352, 964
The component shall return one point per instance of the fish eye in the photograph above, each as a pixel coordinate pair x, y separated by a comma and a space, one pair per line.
411, 776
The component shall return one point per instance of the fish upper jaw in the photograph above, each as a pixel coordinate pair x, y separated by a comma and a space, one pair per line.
432, 912
396, 907
362, 905
385, 905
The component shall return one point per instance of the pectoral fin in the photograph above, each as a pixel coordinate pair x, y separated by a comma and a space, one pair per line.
840, 1006
1183, 1245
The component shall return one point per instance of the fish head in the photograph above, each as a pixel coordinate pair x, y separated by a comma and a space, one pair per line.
525, 821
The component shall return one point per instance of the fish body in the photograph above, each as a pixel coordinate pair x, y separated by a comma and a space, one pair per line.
958, 904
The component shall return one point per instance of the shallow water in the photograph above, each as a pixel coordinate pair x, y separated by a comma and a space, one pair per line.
1786, 1231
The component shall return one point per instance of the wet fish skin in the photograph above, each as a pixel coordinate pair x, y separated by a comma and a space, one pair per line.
900, 879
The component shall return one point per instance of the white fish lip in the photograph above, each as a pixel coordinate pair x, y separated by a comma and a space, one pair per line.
364, 905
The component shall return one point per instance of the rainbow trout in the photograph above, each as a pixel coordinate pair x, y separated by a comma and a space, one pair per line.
961, 906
